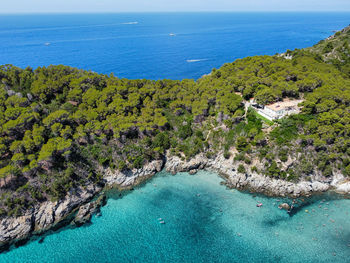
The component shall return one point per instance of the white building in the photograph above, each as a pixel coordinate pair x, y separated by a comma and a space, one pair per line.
279, 109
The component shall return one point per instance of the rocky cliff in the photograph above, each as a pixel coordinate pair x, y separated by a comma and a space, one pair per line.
254, 181
77, 207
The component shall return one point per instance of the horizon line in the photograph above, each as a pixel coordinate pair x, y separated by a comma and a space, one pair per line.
150, 12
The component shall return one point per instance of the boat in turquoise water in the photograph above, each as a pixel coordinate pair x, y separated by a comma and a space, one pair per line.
203, 222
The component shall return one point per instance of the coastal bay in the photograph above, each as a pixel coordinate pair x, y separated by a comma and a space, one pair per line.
71, 137
204, 222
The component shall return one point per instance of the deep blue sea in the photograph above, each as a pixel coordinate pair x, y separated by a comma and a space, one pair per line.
204, 221
141, 45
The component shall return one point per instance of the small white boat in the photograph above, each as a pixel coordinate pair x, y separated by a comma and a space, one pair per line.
47, 44
172, 34
130, 23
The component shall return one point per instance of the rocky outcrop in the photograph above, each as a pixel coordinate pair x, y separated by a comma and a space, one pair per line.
174, 164
284, 206
125, 179
84, 214
15, 228
343, 187
48, 215
253, 181
44, 216
275, 187
86, 211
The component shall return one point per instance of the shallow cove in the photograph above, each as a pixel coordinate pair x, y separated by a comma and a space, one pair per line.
204, 222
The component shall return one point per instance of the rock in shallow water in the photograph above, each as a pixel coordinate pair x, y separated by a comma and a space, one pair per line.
86, 211
193, 171
284, 206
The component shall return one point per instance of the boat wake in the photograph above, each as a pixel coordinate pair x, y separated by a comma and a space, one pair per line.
130, 23
195, 60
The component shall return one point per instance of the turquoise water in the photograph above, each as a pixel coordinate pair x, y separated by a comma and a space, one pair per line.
108, 43
204, 222
219, 225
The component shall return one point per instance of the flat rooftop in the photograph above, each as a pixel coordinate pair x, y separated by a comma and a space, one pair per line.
283, 105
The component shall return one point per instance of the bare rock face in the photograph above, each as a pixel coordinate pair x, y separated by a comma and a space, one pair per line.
341, 184
11, 92
199, 162
128, 178
343, 188
319, 187
174, 164
44, 216
263, 184
86, 211
84, 214
253, 181
15, 228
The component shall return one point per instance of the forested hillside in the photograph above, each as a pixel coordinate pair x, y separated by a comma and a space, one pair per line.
335, 50
58, 124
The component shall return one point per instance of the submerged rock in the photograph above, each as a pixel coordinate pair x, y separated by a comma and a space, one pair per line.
193, 171
284, 206
84, 214
86, 211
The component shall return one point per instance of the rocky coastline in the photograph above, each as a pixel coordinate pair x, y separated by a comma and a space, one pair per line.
75, 208
255, 182
79, 204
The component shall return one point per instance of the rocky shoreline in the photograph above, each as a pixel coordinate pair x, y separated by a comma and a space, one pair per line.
44, 216
255, 182
79, 204
76, 207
